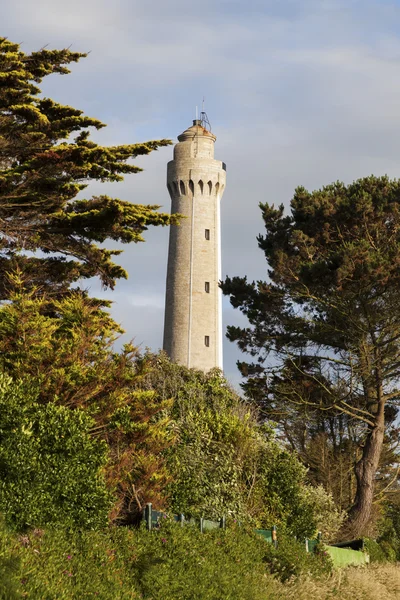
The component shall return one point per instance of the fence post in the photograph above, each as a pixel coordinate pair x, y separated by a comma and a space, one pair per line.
182, 519
306, 544
201, 524
148, 515
222, 522
274, 536
319, 537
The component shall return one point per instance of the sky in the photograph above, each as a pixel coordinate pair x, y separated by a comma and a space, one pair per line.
298, 92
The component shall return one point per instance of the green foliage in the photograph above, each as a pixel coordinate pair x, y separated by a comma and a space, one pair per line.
183, 563
70, 565
376, 553
388, 550
64, 349
173, 563
388, 530
283, 501
137, 436
290, 560
216, 440
51, 469
328, 518
325, 330
63, 346
216, 445
41, 172
9, 566
224, 462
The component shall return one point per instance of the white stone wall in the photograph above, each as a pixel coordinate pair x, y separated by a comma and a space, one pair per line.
196, 183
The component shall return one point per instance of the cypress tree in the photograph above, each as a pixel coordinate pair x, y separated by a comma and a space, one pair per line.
46, 159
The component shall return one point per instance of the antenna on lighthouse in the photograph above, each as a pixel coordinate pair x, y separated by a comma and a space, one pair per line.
203, 117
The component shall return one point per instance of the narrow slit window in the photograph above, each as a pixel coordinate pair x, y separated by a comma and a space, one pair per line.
207, 287
207, 340
207, 234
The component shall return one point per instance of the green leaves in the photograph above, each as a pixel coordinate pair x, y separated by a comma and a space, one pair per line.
329, 316
51, 469
223, 462
42, 170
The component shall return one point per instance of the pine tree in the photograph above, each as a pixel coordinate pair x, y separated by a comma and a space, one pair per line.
46, 159
332, 302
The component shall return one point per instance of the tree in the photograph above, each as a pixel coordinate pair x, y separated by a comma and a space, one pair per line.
223, 462
330, 311
44, 230
328, 441
62, 349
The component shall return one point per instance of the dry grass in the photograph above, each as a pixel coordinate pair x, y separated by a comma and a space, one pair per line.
369, 583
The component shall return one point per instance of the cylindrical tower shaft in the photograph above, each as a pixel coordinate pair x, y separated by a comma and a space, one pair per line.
193, 319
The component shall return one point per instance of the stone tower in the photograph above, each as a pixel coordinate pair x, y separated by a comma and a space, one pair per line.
193, 319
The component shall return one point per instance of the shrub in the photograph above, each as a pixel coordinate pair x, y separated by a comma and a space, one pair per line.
171, 563
65, 349
290, 560
50, 466
376, 554
181, 563
328, 518
224, 462
64, 564
282, 484
9, 566
388, 550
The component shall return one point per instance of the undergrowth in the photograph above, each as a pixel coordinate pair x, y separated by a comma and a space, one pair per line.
176, 563
172, 563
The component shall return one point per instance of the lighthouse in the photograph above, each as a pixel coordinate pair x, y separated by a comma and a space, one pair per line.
193, 311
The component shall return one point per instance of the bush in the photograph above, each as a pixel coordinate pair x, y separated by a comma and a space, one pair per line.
181, 563
376, 554
50, 466
388, 550
328, 518
224, 462
290, 560
9, 567
172, 563
71, 565
282, 485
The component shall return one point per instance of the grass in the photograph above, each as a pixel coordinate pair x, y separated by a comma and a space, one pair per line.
376, 582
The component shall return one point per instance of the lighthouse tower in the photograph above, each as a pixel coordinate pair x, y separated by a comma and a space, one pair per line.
193, 319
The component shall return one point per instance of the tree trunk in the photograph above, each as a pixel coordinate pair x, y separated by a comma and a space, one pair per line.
365, 471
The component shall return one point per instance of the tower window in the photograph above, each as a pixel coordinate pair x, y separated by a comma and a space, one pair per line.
207, 340
207, 234
207, 287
